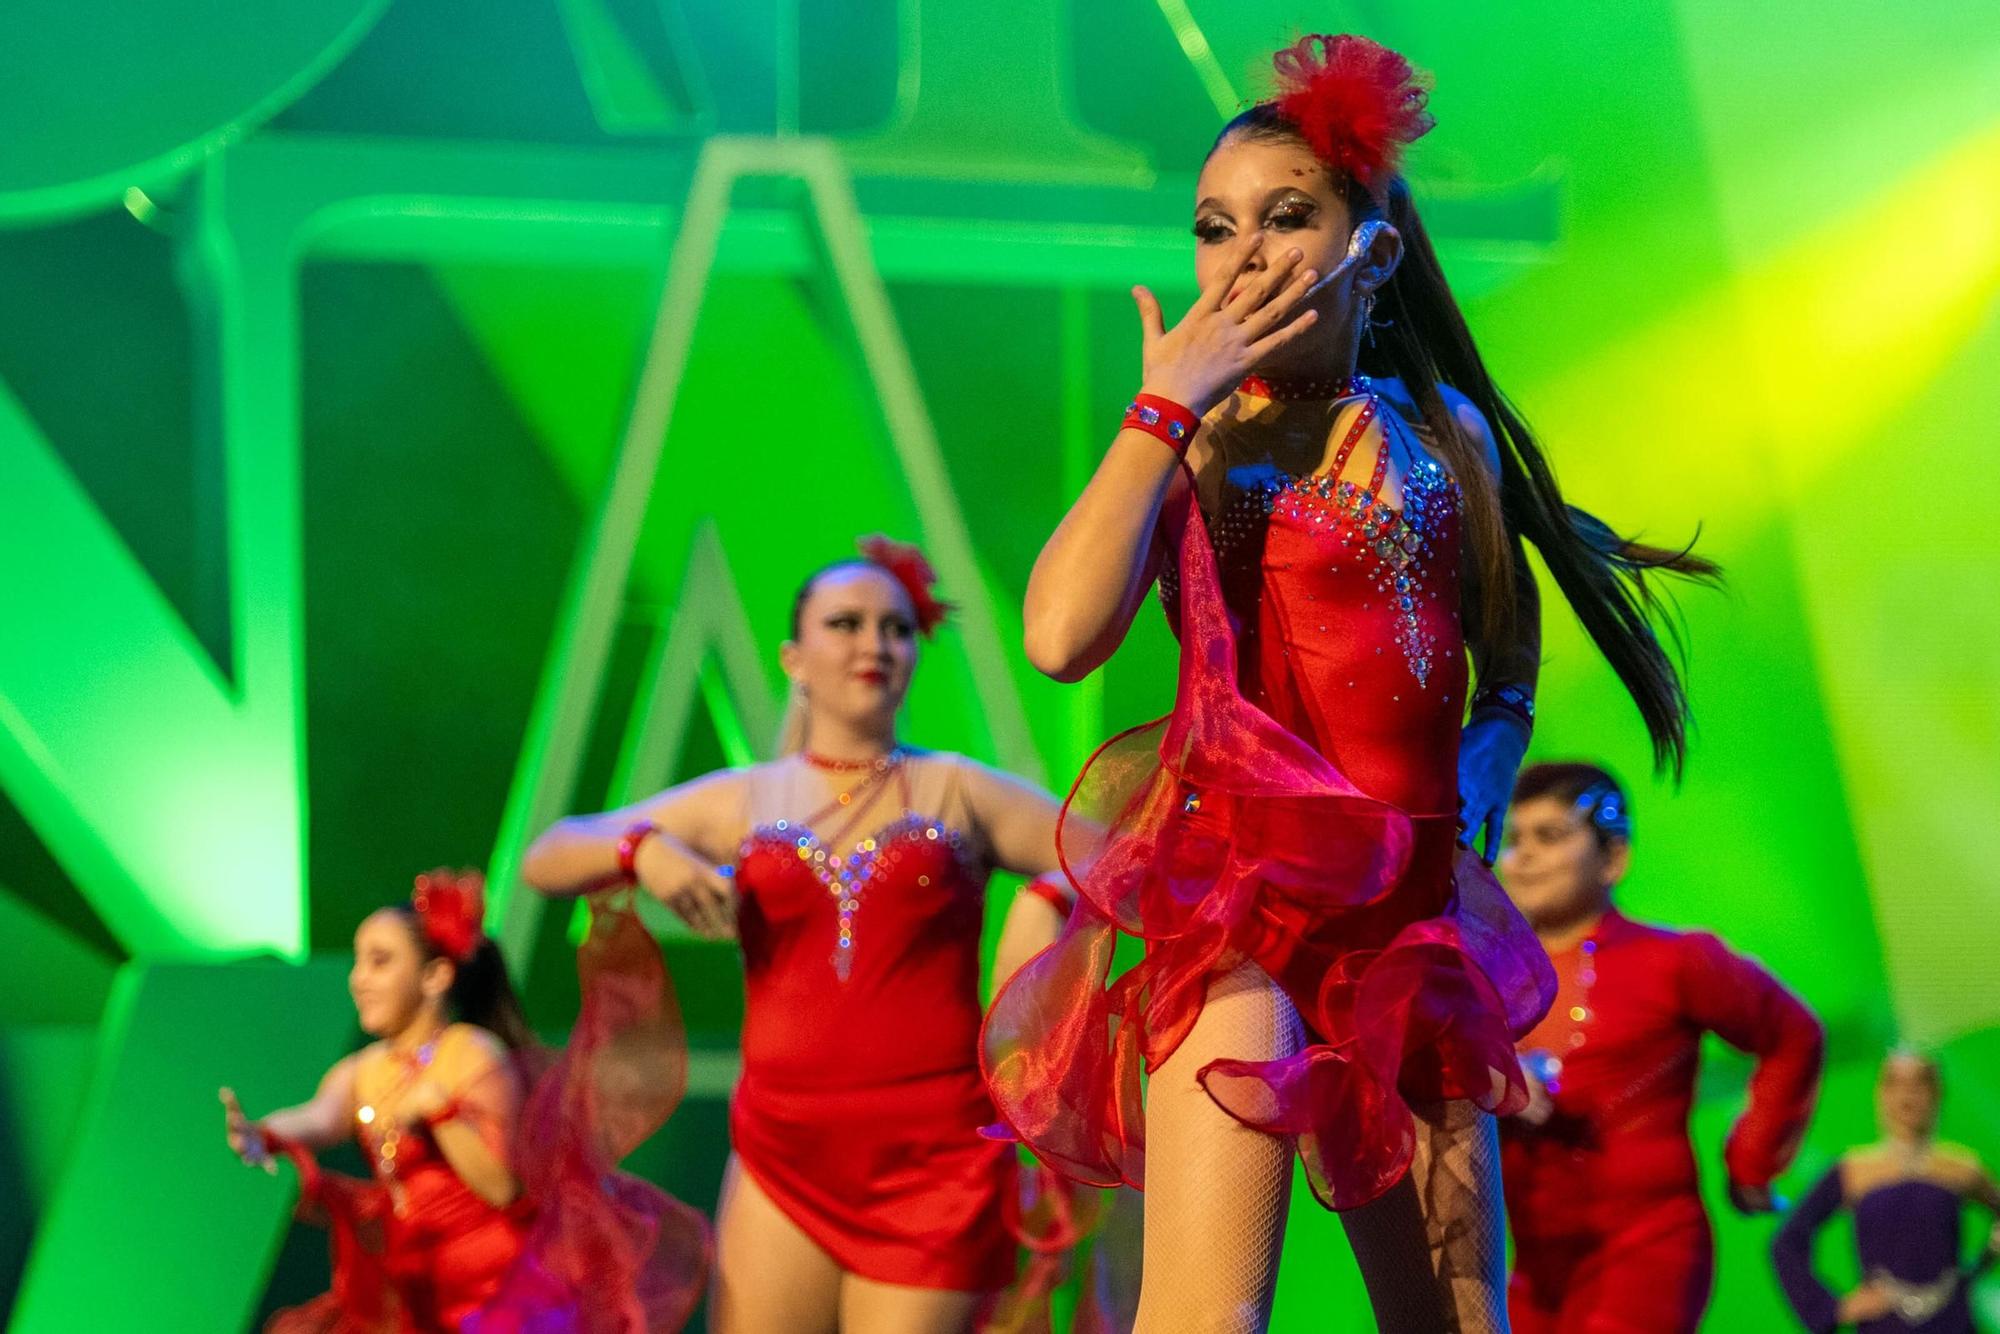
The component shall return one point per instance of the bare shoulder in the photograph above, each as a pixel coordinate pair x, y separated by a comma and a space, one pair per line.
950, 788
1001, 808
984, 782
972, 783
1867, 1168
470, 1043
1864, 1158
366, 1069
715, 790
1471, 421
1956, 1167
341, 1073
469, 1054
955, 763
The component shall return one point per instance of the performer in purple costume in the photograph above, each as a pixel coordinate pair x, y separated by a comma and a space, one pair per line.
1908, 1195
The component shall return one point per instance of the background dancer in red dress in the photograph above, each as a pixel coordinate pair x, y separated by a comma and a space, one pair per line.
1323, 970
1610, 1236
493, 1204
853, 869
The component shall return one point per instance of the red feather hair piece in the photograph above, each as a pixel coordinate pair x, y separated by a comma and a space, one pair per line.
451, 909
1357, 103
907, 566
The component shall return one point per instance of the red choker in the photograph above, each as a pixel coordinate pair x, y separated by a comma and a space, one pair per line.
1299, 388
851, 766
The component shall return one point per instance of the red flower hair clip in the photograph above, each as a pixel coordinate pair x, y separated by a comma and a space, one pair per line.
907, 566
451, 910
1357, 103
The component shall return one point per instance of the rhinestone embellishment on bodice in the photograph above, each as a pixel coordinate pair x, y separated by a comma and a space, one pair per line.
1398, 541
846, 876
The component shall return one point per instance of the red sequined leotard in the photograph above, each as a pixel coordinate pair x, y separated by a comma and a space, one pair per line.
1297, 811
860, 1103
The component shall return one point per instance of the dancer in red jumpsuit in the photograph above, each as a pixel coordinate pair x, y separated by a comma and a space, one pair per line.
1610, 1236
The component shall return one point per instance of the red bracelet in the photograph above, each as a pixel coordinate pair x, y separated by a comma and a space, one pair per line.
1053, 890
628, 848
451, 1111
1163, 419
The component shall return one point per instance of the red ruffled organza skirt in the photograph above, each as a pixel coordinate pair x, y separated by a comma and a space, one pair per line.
586, 1249
1227, 839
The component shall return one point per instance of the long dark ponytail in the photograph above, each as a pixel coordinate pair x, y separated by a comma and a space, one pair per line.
1604, 576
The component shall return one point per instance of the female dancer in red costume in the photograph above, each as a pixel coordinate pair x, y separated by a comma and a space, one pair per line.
853, 869
1602, 1190
493, 1206
1322, 971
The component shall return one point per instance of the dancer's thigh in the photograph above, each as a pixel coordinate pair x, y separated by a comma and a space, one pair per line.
1216, 1191
869, 1307
771, 1278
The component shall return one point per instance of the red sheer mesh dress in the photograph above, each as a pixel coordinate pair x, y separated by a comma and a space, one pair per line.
1297, 809
584, 1249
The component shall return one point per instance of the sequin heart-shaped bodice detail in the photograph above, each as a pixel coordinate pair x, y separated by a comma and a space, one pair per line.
797, 881
859, 964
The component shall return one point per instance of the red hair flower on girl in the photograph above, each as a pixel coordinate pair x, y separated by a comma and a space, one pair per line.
451, 910
1357, 103
907, 566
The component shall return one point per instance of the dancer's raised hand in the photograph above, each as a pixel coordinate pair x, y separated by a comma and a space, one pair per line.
1232, 327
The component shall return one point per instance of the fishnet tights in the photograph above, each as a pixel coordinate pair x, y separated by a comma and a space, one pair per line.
1216, 1191
1457, 1176
1432, 1251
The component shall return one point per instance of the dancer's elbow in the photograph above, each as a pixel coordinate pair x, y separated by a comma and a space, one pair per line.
1058, 651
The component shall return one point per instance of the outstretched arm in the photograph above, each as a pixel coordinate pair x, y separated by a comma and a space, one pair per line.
323, 1121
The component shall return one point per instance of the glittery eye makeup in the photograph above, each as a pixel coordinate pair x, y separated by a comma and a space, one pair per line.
1294, 210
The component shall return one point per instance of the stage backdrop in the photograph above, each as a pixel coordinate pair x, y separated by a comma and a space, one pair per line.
415, 417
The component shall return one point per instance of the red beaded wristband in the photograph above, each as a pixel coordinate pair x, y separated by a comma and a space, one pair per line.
1163, 419
628, 848
451, 1111
1053, 890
